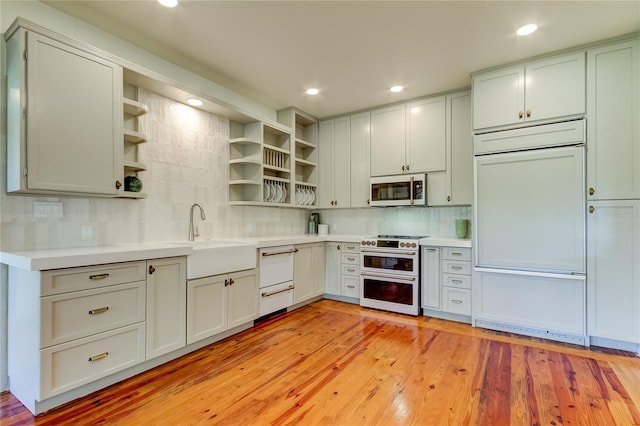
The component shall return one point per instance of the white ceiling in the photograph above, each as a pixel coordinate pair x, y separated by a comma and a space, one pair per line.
352, 51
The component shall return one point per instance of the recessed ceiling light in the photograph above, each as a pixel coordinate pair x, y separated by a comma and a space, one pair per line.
194, 102
396, 89
312, 91
527, 29
168, 3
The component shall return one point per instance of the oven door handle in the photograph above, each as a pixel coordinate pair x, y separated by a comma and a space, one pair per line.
393, 277
402, 253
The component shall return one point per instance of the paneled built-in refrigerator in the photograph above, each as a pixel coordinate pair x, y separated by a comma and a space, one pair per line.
529, 231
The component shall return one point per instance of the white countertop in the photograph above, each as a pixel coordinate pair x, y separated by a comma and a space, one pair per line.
39, 260
445, 242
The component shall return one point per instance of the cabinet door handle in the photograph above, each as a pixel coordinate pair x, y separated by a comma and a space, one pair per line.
592, 191
402, 168
407, 167
351, 286
98, 311
528, 113
98, 357
448, 197
98, 276
231, 281
520, 114
431, 249
456, 301
118, 184
226, 282
592, 209
151, 269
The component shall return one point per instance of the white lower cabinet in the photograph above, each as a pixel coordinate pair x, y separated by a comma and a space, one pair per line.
166, 305
446, 282
343, 270
430, 277
69, 365
71, 327
308, 271
613, 272
221, 302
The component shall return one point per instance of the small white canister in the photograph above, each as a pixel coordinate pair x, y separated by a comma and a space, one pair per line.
323, 229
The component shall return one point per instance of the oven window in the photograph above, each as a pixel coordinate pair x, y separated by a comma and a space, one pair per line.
390, 263
390, 191
388, 291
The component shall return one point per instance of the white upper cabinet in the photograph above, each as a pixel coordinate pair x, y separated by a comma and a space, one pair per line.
65, 118
454, 186
334, 162
360, 159
613, 121
425, 143
388, 141
408, 138
543, 90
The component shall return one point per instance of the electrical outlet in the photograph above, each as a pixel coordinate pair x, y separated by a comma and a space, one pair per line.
87, 232
48, 209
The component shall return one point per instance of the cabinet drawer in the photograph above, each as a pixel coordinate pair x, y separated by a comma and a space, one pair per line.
456, 300
72, 364
70, 316
456, 280
351, 258
73, 279
456, 253
351, 248
351, 269
456, 267
351, 286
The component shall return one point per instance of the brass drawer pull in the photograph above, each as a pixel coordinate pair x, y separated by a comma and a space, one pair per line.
98, 276
98, 311
98, 357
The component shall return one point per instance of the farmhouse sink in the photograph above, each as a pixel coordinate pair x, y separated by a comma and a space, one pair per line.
214, 257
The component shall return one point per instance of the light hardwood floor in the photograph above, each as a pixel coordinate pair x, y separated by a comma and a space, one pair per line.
335, 363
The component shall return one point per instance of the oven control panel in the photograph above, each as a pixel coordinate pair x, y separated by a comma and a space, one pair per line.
389, 244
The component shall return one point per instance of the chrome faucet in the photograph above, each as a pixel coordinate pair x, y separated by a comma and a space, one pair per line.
194, 233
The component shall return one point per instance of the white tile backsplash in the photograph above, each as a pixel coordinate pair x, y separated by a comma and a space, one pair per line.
187, 155
428, 221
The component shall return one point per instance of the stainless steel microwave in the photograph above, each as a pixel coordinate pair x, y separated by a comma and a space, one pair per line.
400, 190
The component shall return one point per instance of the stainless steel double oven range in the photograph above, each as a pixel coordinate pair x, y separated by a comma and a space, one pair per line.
390, 273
